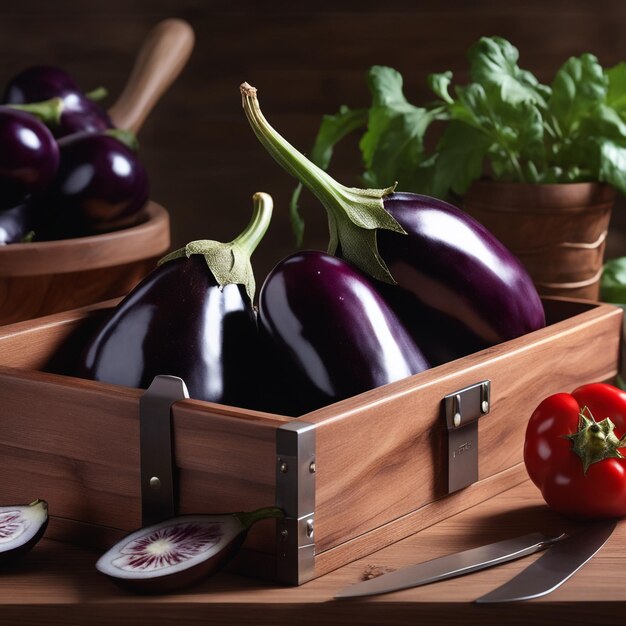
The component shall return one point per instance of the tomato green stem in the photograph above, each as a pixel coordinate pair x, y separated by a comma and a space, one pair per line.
595, 441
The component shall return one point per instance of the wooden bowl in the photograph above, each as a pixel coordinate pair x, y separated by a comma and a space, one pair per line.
40, 278
46, 277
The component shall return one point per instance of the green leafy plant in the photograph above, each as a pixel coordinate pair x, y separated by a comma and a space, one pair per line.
504, 123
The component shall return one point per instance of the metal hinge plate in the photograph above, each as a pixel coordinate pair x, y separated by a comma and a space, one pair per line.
462, 409
295, 494
158, 498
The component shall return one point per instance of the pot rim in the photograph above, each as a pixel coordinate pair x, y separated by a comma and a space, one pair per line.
506, 197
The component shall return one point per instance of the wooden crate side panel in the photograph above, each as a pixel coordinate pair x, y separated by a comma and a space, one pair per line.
34, 344
76, 443
229, 464
427, 515
381, 455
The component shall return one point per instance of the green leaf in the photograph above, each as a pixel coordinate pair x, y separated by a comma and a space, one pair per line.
462, 150
613, 281
612, 165
439, 83
514, 133
393, 146
333, 129
604, 121
493, 62
578, 87
616, 92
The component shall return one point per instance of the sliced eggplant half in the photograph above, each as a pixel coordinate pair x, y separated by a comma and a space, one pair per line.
21, 527
179, 551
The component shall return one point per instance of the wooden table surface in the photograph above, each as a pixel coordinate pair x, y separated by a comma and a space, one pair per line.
57, 584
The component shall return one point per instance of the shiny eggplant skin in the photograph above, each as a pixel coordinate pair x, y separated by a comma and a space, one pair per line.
332, 331
177, 321
41, 82
452, 266
16, 223
100, 184
29, 156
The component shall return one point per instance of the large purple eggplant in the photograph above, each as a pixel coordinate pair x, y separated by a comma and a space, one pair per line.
450, 264
334, 334
41, 82
439, 257
29, 156
191, 317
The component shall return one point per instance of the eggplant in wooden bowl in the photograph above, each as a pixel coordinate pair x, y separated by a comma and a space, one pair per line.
76, 221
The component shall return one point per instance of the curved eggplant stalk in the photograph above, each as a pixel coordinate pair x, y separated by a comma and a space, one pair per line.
161, 59
430, 251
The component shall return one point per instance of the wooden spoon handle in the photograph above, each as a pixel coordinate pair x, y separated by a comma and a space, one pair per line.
161, 58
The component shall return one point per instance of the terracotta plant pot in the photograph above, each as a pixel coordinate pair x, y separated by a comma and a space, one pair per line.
45, 277
558, 231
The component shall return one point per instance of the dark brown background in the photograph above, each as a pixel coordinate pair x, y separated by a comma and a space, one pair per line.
306, 59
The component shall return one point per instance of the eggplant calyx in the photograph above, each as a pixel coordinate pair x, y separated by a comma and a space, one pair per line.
126, 137
98, 94
354, 215
595, 441
247, 519
230, 262
48, 111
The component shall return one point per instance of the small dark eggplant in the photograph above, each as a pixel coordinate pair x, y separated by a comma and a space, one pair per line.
100, 184
191, 317
29, 156
178, 552
335, 331
39, 83
21, 527
437, 254
16, 223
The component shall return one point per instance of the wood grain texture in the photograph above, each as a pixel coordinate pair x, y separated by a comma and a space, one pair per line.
57, 584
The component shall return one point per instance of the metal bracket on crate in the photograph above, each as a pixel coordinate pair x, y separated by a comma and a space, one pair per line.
461, 412
158, 500
295, 494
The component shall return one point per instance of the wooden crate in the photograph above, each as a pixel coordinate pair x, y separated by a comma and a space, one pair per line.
353, 477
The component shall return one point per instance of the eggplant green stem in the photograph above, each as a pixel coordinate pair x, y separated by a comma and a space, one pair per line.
98, 94
230, 262
48, 111
595, 441
354, 215
248, 519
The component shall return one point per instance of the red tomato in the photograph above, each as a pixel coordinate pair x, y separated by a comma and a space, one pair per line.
567, 432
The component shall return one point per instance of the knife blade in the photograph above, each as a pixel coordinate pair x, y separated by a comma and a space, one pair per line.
554, 567
452, 565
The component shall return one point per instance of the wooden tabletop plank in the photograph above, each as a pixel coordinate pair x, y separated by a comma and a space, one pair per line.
57, 583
